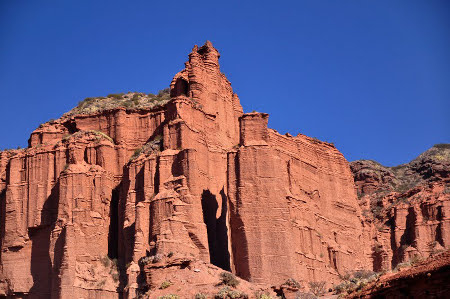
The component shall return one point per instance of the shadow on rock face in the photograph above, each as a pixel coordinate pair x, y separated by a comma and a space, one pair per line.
216, 229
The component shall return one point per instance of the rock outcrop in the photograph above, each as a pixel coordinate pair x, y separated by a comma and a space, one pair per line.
428, 279
126, 191
407, 207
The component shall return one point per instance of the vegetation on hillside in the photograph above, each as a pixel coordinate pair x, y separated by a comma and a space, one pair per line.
131, 100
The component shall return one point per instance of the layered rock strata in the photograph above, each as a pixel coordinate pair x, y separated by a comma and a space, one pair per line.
407, 207
95, 196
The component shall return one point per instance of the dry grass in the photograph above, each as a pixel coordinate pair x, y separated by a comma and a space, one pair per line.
131, 100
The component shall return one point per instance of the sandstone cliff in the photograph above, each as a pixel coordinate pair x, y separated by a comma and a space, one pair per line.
132, 192
407, 207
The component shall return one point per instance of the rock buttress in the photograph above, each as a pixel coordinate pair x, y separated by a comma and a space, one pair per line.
293, 207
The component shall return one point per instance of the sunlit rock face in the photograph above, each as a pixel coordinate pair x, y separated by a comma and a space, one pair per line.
98, 197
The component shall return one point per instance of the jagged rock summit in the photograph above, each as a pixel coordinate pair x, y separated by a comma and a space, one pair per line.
139, 195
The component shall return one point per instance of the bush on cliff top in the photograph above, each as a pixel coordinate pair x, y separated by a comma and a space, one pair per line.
133, 100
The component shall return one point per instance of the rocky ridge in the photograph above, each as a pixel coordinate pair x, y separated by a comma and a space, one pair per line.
406, 207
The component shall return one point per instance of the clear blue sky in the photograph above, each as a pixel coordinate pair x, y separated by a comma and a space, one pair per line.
371, 76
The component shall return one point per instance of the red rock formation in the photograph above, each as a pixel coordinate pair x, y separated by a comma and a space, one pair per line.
96, 196
407, 207
293, 208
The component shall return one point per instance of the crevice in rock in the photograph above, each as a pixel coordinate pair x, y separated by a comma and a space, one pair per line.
86, 156
113, 235
391, 224
409, 236
41, 266
139, 185
333, 258
156, 179
439, 238
58, 260
216, 229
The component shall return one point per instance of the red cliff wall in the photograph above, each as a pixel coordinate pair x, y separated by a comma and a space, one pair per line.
80, 213
293, 207
406, 208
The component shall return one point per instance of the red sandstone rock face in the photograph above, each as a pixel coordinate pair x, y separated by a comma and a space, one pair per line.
96, 196
406, 207
292, 205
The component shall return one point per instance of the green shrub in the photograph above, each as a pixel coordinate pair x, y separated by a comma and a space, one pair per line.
163, 92
136, 153
416, 259
317, 287
363, 274
84, 133
355, 281
102, 135
442, 145
200, 296
303, 295
261, 295
226, 292
169, 296
293, 283
105, 261
116, 96
165, 285
150, 147
228, 279
149, 259
131, 100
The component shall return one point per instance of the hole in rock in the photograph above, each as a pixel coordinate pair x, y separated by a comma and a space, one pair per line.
181, 88
71, 127
113, 238
216, 229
